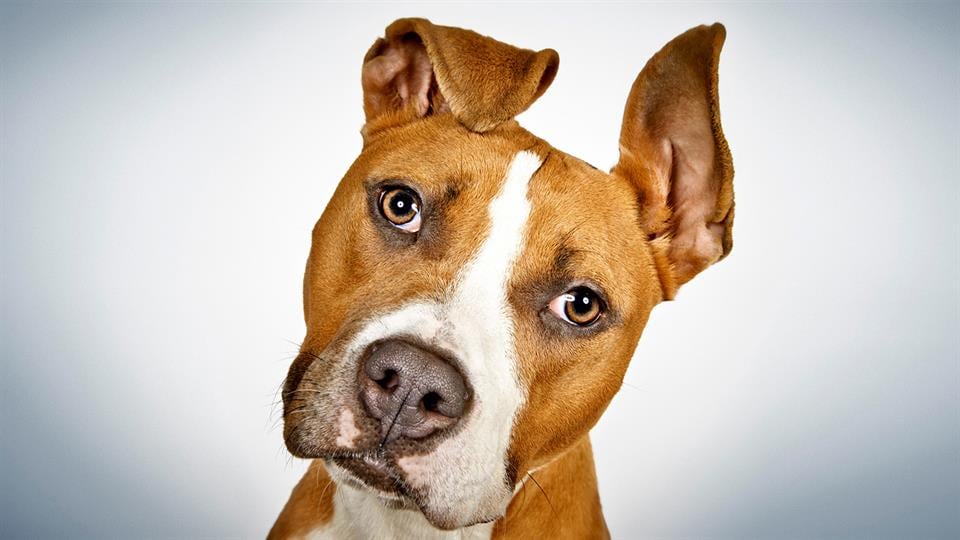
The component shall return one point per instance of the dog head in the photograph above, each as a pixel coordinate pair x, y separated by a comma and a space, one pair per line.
473, 296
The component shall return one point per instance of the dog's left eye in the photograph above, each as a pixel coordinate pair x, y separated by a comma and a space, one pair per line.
401, 207
579, 306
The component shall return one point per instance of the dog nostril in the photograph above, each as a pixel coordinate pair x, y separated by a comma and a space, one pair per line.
431, 402
411, 390
390, 380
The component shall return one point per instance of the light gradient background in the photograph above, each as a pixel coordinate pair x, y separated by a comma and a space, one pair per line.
163, 164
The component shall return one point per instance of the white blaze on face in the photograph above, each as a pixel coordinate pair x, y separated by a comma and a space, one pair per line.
480, 322
464, 475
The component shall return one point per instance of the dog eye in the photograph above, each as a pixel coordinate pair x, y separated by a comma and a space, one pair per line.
401, 207
579, 306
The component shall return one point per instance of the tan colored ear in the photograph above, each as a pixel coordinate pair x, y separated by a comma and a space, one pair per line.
420, 68
672, 148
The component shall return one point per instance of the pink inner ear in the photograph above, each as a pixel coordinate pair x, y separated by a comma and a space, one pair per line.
399, 77
697, 241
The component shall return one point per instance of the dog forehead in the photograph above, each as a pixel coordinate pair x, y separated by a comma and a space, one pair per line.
574, 207
437, 152
583, 223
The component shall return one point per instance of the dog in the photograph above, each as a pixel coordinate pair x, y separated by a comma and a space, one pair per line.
473, 296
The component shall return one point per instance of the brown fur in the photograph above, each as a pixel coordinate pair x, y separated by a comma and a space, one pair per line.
574, 379
439, 104
558, 501
483, 82
309, 507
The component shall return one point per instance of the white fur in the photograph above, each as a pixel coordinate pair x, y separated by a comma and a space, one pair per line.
359, 515
464, 475
348, 429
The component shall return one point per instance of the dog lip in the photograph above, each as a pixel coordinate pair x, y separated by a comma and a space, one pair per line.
370, 472
377, 464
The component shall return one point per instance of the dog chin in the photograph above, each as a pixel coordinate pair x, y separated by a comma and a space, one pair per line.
377, 479
451, 521
449, 518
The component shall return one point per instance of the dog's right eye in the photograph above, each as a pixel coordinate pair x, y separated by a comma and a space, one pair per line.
401, 207
579, 306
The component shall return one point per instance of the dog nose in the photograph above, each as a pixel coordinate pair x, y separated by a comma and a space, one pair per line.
412, 391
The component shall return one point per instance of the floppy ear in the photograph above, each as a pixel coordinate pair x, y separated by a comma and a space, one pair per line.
420, 68
672, 148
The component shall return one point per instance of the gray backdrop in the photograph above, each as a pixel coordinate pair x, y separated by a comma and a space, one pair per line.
162, 166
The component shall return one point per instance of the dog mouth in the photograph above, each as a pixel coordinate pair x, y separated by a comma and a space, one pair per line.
372, 473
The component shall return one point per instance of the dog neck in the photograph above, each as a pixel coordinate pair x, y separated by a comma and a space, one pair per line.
557, 499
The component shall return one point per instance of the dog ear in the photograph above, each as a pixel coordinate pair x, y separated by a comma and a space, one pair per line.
672, 148
420, 68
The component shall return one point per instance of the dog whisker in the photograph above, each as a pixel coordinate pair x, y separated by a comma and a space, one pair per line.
529, 474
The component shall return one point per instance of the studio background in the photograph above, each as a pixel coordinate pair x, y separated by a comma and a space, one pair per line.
163, 165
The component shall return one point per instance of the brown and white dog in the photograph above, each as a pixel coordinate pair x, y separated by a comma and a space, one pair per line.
473, 296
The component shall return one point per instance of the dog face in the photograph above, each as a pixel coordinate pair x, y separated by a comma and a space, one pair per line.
473, 296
